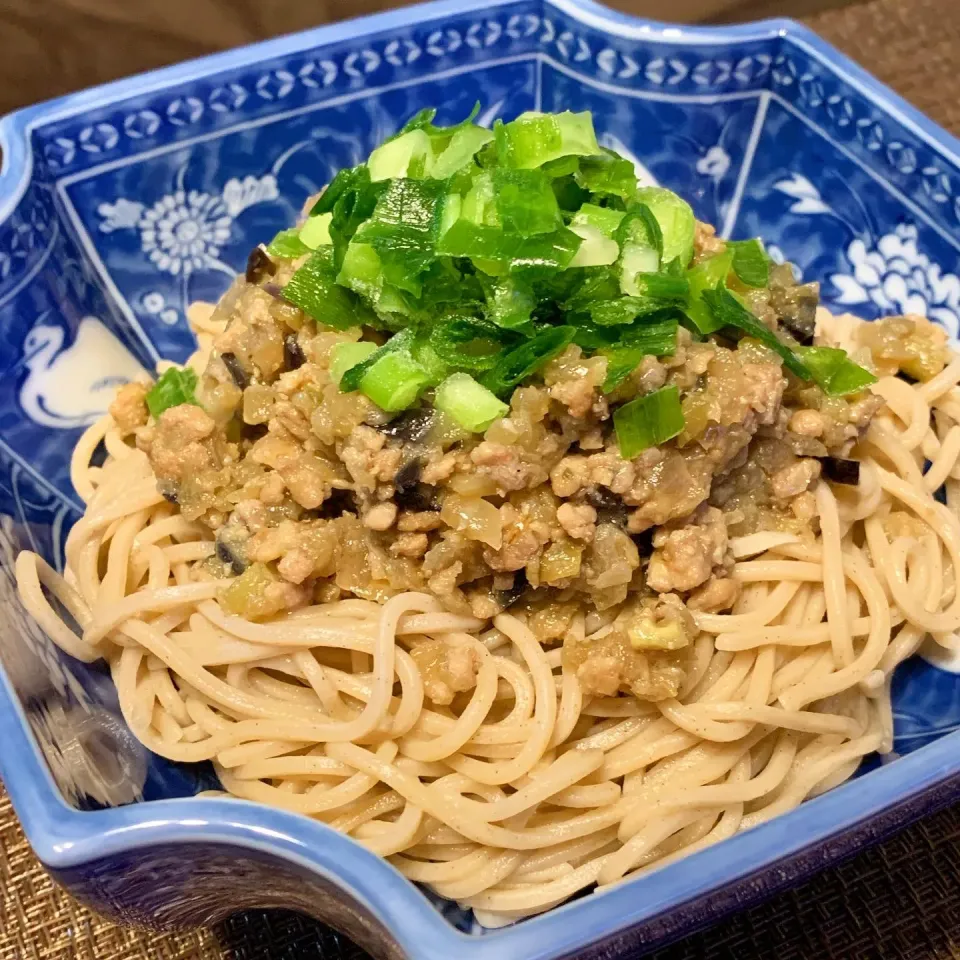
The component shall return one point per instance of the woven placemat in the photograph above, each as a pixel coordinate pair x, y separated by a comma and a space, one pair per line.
899, 901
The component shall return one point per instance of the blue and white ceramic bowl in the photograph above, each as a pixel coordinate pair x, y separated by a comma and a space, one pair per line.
121, 205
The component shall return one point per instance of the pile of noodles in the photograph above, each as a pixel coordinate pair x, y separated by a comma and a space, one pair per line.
527, 791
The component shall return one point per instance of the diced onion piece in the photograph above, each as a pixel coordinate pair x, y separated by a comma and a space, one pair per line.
646, 635
560, 561
475, 518
473, 406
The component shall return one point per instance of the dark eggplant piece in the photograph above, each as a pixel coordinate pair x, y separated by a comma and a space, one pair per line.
408, 476
840, 470
411, 426
644, 542
235, 369
229, 553
609, 506
338, 503
795, 306
170, 495
507, 598
253, 431
293, 357
410, 493
259, 265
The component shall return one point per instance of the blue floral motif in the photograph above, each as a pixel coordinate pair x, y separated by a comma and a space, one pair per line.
185, 230
889, 273
899, 279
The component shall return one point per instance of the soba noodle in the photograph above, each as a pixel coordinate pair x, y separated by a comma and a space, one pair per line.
525, 791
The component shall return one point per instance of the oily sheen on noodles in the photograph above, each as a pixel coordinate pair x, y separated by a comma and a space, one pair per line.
525, 791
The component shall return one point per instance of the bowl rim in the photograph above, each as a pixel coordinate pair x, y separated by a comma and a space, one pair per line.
65, 838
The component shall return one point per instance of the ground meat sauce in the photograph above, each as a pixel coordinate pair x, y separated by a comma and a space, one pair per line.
314, 494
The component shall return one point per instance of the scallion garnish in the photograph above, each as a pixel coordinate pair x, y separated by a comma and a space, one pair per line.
175, 386
315, 290
347, 355
656, 336
316, 231
470, 404
834, 372
287, 243
728, 311
514, 367
705, 276
537, 138
750, 262
394, 380
648, 421
485, 253
352, 377
676, 220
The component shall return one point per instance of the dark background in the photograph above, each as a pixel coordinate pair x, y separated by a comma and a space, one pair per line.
50, 47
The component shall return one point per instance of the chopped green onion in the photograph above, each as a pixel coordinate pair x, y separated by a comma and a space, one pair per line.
395, 157
596, 226
470, 404
347, 355
597, 249
648, 421
662, 286
564, 167
651, 337
705, 276
424, 121
750, 262
603, 218
467, 342
526, 202
287, 244
509, 303
316, 231
360, 272
655, 292
175, 386
537, 138
464, 146
607, 175
640, 243
521, 362
351, 379
676, 220
314, 289
835, 373
551, 250
480, 204
394, 381
728, 311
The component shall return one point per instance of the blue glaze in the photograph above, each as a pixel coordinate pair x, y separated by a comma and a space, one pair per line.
121, 205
